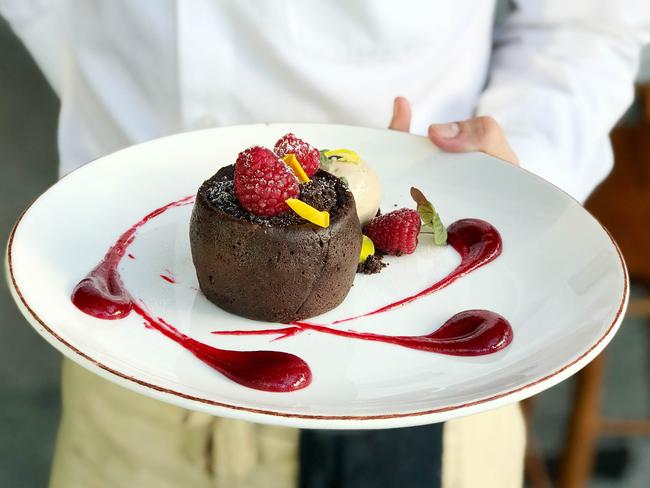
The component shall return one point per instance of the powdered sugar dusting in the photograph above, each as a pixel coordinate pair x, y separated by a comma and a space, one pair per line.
321, 193
263, 182
307, 155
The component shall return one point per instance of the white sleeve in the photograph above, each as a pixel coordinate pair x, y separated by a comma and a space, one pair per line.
561, 75
37, 24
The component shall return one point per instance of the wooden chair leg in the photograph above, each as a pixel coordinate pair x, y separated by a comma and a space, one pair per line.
576, 462
645, 99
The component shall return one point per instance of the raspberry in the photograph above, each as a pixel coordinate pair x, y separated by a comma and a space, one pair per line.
395, 232
263, 182
307, 156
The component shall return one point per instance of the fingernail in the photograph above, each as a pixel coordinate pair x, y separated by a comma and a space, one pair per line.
446, 131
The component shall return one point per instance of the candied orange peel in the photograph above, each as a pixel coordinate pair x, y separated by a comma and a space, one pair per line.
291, 161
309, 213
367, 249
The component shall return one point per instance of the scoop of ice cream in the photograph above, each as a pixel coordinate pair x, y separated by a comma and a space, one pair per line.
363, 183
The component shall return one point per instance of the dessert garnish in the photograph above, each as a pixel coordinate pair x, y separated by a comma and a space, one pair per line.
367, 249
309, 213
291, 161
430, 217
307, 155
395, 232
370, 260
341, 155
263, 182
372, 265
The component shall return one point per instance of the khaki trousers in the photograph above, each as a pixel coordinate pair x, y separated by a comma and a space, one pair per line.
112, 437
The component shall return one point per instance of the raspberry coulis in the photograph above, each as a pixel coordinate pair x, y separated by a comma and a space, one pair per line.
468, 333
103, 295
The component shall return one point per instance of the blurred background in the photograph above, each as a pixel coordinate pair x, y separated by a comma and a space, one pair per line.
571, 444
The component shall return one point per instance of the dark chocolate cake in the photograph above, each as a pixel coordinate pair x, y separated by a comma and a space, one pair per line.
280, 268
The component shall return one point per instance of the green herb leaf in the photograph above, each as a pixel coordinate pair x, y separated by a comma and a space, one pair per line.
430, 217
324, 159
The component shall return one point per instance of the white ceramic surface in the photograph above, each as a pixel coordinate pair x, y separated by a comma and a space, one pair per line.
560, 281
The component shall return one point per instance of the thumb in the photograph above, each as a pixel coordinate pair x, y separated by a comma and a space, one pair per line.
401, 115
478, 134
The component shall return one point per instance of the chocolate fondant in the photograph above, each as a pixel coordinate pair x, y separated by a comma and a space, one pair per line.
276, 269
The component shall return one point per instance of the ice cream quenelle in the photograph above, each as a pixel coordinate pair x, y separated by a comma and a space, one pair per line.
360, 177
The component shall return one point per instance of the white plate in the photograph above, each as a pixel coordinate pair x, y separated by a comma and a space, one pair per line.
560, 281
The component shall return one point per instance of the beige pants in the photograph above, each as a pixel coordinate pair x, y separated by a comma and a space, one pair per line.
112, 437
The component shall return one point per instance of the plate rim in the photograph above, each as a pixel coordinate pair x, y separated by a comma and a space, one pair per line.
277, 416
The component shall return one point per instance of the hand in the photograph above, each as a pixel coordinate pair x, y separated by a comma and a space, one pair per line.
478, 134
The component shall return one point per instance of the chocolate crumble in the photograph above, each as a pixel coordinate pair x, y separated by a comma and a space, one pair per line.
320, 193
373, 264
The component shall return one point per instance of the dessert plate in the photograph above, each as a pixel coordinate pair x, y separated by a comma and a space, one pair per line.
560, 282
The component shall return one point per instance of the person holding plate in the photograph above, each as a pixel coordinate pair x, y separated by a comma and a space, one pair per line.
543, 88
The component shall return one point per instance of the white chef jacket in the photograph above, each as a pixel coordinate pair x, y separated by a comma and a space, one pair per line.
558, 76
